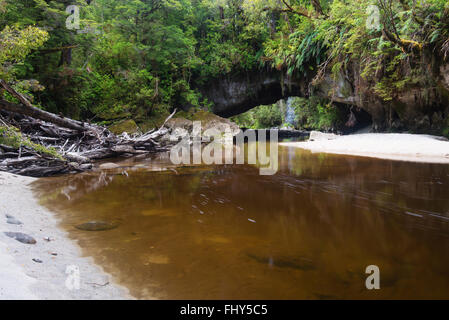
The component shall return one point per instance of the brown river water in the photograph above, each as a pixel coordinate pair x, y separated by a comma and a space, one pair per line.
226, 232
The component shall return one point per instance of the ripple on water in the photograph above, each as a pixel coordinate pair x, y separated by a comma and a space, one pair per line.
307, 232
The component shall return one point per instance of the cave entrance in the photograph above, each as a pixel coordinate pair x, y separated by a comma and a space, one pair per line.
360, 120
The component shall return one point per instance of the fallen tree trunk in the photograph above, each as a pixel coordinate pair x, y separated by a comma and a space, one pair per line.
42, 115
69, 145
28, 109
77, 149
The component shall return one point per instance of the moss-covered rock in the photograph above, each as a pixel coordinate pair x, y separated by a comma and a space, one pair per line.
128, 126
180, 123
208, 120
115, 113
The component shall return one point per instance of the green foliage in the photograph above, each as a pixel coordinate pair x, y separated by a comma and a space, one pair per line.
145, 57
262, 117
330, 42
15, 45
315, 114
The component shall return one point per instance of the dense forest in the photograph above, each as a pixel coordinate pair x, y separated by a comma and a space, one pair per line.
140, 59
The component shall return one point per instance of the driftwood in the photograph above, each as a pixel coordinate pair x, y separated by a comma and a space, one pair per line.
42, 115
78, 144
28, 109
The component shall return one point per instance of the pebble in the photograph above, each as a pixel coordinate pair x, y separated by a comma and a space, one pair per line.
12, 220
21, 237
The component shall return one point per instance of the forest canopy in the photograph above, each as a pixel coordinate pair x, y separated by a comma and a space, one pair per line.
142, 58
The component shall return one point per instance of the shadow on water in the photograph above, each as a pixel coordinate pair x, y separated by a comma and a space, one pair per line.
225, 232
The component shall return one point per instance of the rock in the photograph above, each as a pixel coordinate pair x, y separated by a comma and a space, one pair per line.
235, 93
178, 134
210, 120
128, 126
320, 136
21, 237
86, 166
182, 123
12, 220
97, 226
108, 165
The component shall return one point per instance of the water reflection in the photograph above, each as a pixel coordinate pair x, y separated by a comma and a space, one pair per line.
225, 232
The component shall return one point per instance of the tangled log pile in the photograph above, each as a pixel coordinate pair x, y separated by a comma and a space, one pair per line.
74, 145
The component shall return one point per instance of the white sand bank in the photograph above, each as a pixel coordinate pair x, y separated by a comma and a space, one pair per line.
393, 146
23, 278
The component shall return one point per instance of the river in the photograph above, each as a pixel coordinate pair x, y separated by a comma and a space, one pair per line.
226, 232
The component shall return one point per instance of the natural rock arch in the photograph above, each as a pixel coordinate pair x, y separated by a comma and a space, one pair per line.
420, 110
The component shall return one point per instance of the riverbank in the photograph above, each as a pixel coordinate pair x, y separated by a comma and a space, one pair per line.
392, 146
38, 271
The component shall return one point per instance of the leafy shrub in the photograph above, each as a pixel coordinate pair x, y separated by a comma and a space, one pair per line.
261, 117
315, 114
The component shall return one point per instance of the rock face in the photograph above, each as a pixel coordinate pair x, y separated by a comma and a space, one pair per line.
421, 109
235, 94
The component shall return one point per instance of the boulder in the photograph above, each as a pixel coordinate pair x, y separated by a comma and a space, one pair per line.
128, 126
183, 123
320, 136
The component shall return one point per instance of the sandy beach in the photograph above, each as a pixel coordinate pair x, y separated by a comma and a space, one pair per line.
392, 146
39, 271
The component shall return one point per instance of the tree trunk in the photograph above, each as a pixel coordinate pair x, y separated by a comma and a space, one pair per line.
42, 115
26, 108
